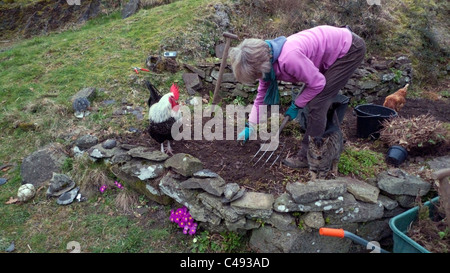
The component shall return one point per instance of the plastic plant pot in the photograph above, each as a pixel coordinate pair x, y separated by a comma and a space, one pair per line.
396, 155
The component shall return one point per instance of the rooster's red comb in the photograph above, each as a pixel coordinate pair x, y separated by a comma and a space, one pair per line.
175, 91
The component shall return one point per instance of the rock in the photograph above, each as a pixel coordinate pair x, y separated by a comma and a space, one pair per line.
221, 16
214, 186
196, 70
109, 143
235, 197
171, 187
387, 202
11, 247
59, 184
254, 204
361, 190
226, 77
149, 188
184, 164
267, 239
26, 192
398, 182
68, 197
439, 163
192, 82
201, 214
130, 8
88, 93
313, 219
147, 153
141, 170
215, 205
98, 152
353, 211
80, 107
3, 181
205, 174
375, 230
406, 201
285, 203
317, 190
39, 167
281, 221
85, 142
230, 190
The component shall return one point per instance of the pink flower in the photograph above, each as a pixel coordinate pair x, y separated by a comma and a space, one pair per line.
102, 188
184, 220
120, 186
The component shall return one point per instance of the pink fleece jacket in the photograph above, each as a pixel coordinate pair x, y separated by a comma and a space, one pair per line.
305, 56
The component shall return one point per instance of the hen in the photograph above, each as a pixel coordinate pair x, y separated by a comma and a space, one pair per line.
163, 113
396, 100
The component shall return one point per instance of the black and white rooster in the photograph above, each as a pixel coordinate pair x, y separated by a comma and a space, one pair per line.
163, 113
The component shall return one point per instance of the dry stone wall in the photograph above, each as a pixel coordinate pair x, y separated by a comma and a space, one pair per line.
285, 223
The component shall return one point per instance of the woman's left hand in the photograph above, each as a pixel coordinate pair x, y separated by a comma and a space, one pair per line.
292, 112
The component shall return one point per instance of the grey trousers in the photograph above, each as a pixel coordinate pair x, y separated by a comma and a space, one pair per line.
336, 77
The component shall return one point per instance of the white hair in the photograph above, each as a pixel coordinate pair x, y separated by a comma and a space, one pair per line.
250, 60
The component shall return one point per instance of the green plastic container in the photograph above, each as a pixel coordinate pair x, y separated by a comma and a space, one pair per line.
400, 225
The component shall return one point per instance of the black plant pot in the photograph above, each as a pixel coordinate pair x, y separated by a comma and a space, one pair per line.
396, 155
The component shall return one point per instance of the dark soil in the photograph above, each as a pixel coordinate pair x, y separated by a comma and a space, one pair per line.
232, 160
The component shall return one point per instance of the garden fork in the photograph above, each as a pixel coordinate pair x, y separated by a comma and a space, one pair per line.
272, 146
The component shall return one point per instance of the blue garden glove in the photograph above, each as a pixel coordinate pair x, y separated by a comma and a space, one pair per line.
246, 133
292, 111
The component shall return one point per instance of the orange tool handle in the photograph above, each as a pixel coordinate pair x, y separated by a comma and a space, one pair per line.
332, 232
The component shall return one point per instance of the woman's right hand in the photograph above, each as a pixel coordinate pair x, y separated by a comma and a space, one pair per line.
247, 132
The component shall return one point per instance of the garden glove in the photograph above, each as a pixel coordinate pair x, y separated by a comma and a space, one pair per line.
292, 111
247, 132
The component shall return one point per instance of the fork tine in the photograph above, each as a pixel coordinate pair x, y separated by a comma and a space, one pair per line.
282, 149
260, 157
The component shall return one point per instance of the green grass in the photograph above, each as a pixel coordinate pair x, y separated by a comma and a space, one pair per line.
100, 54
361, 163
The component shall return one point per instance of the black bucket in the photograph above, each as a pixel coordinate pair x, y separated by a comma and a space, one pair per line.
369, 118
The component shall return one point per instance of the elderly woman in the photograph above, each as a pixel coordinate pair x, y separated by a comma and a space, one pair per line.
323, 57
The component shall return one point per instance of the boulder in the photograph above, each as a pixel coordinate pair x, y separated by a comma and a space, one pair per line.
353, 211
214, 186
39, 167
147, 153
268, 239
130, 8
361, 190
68, 197
313, 219
26, 192
184, 164
254, 204
86, 141
59, 184
142, 170
398, 182
192, 82
89, 93
215, 205
315, 190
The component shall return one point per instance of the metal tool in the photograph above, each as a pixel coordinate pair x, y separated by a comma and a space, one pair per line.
340, 233
228, 36
137, 69
272, 146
